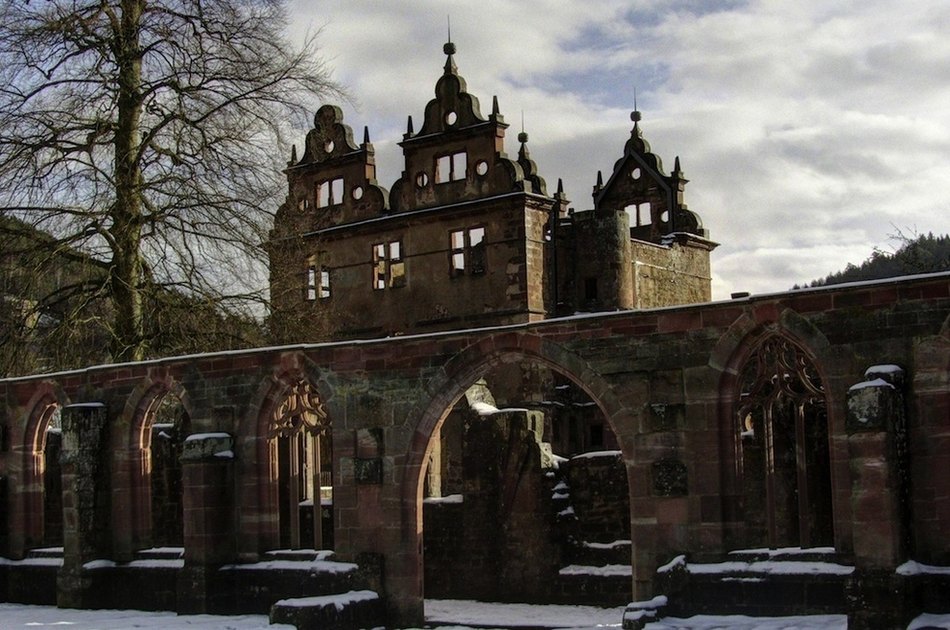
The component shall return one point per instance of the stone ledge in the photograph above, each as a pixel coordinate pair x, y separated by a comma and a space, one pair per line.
345, 611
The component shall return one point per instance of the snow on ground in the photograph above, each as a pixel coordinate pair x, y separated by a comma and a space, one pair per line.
15, 616
458, 613
440, 614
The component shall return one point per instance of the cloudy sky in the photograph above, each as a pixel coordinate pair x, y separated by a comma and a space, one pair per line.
810, 130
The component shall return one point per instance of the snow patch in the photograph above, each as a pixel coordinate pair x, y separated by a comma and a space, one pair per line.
593, 454
450, 498
912, 567
339, 602
878, 382
207, 436
608, 570
484, 409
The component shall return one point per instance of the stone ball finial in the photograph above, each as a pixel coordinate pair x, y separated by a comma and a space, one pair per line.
522, 137
448, 48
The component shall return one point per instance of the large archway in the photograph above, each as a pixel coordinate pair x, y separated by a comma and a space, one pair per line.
521, 432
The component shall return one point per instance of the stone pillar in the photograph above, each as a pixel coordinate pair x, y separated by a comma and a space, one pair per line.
86, 508
877, 441
208, 496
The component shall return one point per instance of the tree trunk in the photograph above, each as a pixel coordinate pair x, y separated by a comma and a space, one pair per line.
126, 230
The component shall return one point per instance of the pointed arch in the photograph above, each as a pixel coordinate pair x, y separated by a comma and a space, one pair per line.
778, 420
449, 386
293, 399
132, 459
28, 501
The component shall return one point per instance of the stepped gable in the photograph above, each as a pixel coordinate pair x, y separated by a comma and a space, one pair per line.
458, 154
653, 199
334, 181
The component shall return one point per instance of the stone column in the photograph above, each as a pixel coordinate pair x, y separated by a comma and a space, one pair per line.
86, 506
208, 497
877, 441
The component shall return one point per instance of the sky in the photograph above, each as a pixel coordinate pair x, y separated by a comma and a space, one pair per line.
812, 132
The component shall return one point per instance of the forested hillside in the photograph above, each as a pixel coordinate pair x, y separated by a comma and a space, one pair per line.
923, 254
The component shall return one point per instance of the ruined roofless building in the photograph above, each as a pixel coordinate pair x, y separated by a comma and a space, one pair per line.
469, 237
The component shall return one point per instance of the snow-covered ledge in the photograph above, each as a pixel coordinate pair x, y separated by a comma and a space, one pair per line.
208, 446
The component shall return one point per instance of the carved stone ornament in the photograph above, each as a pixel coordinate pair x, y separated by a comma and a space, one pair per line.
301, 411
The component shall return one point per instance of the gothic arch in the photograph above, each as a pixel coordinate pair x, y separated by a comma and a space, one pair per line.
752, 335
28, 507
131, 460
258, 495
463, 369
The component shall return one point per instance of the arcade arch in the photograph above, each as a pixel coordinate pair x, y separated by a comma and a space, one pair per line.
493, 422
149, 487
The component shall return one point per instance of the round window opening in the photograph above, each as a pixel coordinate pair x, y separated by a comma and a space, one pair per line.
481, 167
635, 173
665, 217
451, 118
328, 147
422, 180
357, 192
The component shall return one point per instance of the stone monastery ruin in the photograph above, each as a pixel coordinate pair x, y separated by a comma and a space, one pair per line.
488, 394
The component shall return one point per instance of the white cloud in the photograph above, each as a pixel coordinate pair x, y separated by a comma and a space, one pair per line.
810, 130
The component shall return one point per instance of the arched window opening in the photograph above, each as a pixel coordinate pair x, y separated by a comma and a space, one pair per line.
300, 429
784, 462
170, 425
53, 480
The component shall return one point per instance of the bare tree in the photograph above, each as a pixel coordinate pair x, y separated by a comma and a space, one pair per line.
143, 135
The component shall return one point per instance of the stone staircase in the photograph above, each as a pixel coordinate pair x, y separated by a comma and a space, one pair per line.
596, 572
758, 582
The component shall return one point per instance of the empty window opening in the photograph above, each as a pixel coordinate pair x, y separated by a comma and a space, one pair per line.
644, 216
467, 253
311, 283
389, 268
450, 168
317, 283
324, 284
330, 192
590, 289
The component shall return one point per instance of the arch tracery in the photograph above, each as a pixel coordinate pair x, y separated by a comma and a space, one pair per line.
781, 428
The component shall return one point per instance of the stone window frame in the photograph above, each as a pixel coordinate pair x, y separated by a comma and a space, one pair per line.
389, 265
467, 254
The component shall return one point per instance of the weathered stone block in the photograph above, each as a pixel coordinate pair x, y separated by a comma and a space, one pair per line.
670, 478
368, 470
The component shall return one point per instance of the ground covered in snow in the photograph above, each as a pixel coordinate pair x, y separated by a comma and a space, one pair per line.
442, 614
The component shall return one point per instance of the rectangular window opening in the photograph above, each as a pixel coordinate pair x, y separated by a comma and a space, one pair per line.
311, 284
644, 217
389, 268
451, 168
330, 192
467, 251
324, 284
